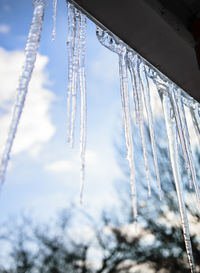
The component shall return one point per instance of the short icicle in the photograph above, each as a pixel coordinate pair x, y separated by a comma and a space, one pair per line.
184, 138
147, 101
82, 84
54, 19
137, 95
31, 49
174, 156
127, 125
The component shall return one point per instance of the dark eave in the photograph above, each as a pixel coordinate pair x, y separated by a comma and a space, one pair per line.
161, 31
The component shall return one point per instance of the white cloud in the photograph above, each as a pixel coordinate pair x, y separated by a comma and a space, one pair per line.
105, 66
95, 164
72, 165
4, 28
60, 166
91, 158
35, 126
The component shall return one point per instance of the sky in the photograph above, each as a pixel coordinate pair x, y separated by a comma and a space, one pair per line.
43, 172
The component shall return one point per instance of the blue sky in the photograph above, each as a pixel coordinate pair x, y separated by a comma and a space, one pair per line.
43, 173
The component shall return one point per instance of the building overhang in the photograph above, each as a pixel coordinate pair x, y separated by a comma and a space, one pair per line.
166, 33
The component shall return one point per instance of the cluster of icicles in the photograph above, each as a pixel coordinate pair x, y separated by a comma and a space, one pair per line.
172, 98
173, 101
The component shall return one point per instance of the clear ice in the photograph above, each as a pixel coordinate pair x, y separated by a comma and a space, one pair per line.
127, 124
70, 47
74, 52
76, 43
173, 100
147, 100
171, 127
137, 95
183, 133
82, 84
54, 19
195, 113
31, 49
121, 50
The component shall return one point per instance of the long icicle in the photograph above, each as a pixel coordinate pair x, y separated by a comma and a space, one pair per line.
184, 138
127, 125
174, 156
75, 60
137, 95
188, 148
146, 95
180, 131
74, 18
31, 49
82, 85
54, 19
70, 47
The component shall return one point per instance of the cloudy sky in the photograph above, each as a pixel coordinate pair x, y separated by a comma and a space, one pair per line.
43, 173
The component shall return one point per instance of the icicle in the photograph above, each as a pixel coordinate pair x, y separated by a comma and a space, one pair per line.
184, 138
137, 95
70, 46
127, 125
174, 156
118, 47
82, 84
106, 40
170, 105
196, 119
54, 20
76, 74
31, 49
74, 52
147, 101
